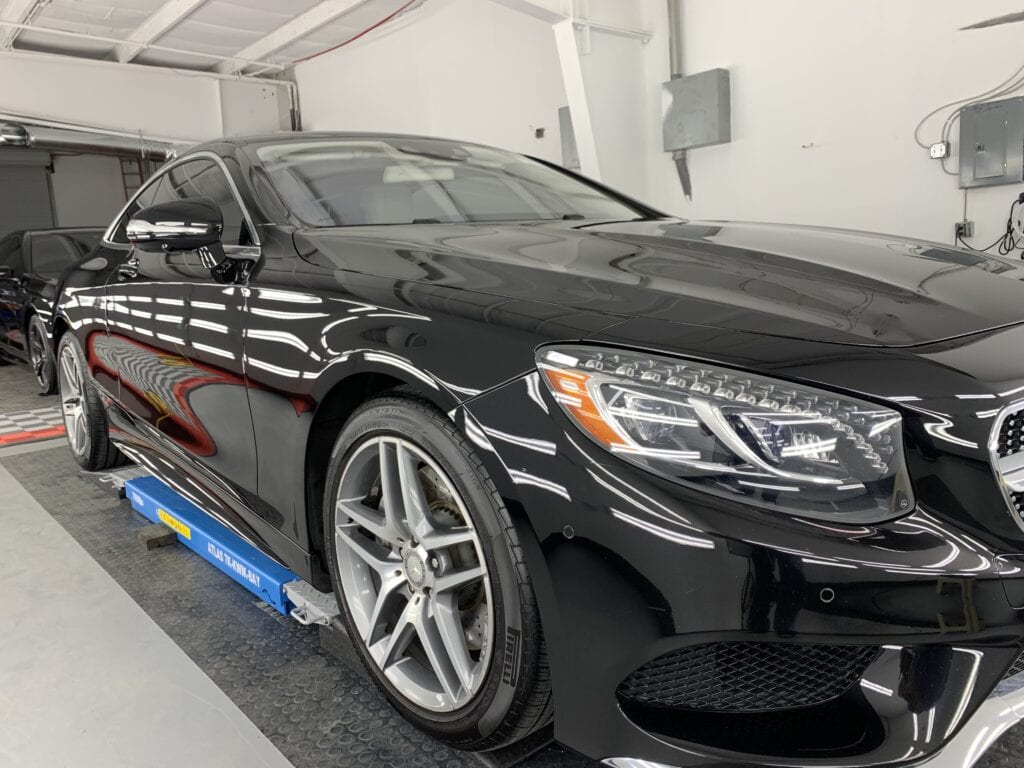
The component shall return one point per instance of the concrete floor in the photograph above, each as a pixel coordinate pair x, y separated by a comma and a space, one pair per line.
88, 678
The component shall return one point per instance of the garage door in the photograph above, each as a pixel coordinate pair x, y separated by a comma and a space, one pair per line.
25, 199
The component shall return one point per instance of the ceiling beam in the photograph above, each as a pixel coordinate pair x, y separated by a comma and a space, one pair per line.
302, 25
16, 12
154, 27
551, 11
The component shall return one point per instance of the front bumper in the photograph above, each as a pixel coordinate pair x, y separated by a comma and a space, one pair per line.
1000, 712
629, 567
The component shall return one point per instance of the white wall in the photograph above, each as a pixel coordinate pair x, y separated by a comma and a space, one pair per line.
613, 74
182, 107
87, 189
249, 106
825, 98
462, 69
623, 77
159, 102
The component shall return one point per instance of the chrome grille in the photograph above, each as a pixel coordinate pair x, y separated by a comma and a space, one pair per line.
1011, 435
1006, 447
1017, 502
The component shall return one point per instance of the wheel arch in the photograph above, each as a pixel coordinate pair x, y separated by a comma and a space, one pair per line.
30, 311
60, 327
341, 398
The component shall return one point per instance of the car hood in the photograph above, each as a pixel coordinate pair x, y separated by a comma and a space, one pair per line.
798, 282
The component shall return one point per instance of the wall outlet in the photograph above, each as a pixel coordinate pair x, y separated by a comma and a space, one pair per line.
939, 150
963, 229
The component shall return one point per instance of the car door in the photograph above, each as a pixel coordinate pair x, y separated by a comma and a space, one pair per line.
49, 254
176, 338
11, 294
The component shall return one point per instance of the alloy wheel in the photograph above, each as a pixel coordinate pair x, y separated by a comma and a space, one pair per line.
72, 396
413, 574
37, 354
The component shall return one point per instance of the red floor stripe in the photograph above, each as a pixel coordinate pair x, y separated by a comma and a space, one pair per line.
12, 438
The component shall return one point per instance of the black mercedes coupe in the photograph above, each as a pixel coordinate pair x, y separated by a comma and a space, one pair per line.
701, 493
31, 263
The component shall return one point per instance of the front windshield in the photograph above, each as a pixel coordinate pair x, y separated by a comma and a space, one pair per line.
352, 182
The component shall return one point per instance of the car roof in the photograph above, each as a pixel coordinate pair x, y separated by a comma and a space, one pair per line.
56, 231
284, 137
64, 231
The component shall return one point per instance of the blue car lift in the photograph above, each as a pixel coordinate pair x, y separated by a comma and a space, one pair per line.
270, 581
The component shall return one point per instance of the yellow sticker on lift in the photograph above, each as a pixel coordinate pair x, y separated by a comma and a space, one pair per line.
174, 524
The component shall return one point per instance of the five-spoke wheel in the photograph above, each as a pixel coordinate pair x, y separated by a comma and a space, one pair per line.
72, 390
413, 573
430, 576
85, 418
40, 355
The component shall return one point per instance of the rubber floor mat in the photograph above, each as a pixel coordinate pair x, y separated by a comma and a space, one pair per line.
315, 710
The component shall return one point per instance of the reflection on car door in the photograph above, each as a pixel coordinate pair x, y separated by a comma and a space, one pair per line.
175, 339
12, 293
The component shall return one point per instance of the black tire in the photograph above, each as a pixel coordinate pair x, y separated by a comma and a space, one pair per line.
95, 451
514, 699
44, 364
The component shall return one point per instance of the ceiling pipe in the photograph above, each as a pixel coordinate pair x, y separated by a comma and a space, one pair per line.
17, 134
100, 130
675, 33
675, 55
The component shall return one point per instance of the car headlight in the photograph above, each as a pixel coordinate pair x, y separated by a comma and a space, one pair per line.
787, 446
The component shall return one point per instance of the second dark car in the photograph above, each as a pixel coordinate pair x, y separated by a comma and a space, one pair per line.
701, 492
30, 264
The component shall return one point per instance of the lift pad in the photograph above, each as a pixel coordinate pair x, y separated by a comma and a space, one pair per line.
214, 542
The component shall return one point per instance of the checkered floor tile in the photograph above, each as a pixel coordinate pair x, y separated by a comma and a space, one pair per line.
34, 424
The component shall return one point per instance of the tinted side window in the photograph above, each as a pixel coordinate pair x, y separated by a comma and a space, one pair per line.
194, 178
85, 241
52, 254
10, 252
204, 178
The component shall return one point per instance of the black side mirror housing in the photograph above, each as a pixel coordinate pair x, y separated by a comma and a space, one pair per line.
180, 225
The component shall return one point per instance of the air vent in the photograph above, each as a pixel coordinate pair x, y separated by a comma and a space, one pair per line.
748, 677
1017, 668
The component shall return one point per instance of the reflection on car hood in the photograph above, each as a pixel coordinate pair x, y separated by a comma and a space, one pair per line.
800, 282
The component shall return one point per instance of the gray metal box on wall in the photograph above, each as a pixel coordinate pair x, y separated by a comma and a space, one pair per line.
992, 143
695, 110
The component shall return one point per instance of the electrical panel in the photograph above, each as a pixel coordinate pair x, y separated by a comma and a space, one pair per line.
695, 110
992, 143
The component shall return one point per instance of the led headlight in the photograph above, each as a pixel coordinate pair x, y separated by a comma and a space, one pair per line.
773, 443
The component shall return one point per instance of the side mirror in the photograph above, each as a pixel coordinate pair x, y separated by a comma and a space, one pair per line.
6, 273
181, 225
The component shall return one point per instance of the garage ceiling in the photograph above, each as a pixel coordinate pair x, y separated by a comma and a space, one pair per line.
253, 37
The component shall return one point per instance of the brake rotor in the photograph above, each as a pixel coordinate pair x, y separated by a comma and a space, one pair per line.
472, 602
